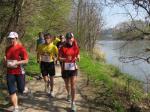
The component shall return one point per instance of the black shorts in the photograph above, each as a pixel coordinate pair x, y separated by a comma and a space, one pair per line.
15, 80
69, 73
47, 68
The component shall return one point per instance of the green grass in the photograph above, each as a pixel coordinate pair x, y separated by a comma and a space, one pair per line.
97, 70
32, 67
112, 78
102, 71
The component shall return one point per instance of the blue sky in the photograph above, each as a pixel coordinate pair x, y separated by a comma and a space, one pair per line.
114, 15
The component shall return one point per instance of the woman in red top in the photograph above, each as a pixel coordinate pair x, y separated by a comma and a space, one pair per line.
15, 56
69, 54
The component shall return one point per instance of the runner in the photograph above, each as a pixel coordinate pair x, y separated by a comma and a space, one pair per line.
15, 56
46, 53
39, 41
59, 45
56, 40
69, 54
61, 42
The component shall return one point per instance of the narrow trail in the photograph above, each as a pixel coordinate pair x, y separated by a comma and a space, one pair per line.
38, 101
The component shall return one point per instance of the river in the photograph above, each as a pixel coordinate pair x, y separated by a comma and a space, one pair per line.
114, 49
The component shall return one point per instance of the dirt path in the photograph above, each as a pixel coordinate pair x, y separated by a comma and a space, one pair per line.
38, 101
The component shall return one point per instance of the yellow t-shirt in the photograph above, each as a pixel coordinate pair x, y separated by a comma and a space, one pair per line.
56, 41
47, 52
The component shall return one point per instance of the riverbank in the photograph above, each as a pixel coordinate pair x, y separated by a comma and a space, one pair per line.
120, 91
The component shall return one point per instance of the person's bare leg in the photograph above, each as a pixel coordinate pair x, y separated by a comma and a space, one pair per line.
73, 92
73, 87
46, 82
14, 100
67, 86
52, 82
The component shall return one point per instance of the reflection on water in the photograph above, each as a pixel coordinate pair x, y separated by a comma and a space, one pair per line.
114, 49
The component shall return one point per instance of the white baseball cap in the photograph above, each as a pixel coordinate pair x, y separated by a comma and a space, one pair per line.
13, 35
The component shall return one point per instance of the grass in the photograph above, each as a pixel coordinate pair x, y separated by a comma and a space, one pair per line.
99, 71
112, 78
32, 68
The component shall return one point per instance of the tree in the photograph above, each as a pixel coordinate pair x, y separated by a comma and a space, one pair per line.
10, 18
88, 23
138, 5
28, 17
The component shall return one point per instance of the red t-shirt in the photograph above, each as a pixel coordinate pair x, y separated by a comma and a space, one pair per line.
70, 53
16, 52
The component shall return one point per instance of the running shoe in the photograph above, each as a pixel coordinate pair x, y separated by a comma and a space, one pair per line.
16, 110
73, 107
68, 98
52, 94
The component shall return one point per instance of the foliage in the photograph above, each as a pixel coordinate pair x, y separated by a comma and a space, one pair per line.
137, 6
52, 16
120, 84
118, 107
25, 16
32, 68
127, 30
87, 23
94, 69
98, 55
48, 16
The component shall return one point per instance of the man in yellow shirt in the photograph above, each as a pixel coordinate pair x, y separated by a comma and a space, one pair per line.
45, 56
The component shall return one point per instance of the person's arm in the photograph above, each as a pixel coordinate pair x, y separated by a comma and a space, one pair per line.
62, 59
60, 55
38, 57
56, 51
24, 57
78, 57
36, 45
38, 54
78, 53
25, 61
4, 61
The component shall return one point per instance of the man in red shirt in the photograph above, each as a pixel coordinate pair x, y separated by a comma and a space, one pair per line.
15, 56
69, 54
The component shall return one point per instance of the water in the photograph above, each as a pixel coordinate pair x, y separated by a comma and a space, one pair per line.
139, 69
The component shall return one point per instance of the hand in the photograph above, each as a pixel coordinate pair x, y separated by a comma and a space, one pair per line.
78, 58
38, 60
4, 61
55, 58
12, 64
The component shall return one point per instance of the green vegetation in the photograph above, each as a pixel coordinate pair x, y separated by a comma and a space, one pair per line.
50, 16
118, 83
102, 71
32, 68
131, 30
94, 69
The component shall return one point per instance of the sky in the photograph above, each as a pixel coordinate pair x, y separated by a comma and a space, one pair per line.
115, 15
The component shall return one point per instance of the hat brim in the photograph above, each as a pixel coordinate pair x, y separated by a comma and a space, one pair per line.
12, 37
